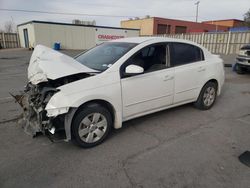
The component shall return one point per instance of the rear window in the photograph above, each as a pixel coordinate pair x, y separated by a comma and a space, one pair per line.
182, 54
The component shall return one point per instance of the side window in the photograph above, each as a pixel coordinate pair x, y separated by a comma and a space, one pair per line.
182, 53
151, 58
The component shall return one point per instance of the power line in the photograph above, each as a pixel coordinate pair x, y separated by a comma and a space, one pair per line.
65, 13
79, 14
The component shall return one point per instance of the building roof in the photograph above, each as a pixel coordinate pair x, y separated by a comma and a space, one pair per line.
69, 24
177, 20
161, 18
186, 20
224, 20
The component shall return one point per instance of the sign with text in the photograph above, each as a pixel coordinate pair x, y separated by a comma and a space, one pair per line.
104, 34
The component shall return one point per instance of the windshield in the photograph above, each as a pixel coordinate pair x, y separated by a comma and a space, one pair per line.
105, 55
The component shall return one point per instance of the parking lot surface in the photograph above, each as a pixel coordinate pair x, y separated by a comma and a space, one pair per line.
179, 147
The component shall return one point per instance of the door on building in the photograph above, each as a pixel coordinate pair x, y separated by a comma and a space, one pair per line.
26, 38
163, 29
180, 29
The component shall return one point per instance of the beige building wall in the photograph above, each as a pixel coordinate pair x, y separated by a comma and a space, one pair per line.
146, 25
70, 36
131, 33
30, 29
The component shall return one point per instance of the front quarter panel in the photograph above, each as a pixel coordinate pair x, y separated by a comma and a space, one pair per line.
105, 86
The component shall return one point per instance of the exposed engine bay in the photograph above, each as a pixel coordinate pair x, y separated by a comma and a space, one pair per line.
34, 99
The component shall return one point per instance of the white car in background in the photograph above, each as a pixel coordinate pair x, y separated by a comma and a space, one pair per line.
243, 60
114, 82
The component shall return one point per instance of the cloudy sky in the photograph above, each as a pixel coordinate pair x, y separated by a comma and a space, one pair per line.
179, 9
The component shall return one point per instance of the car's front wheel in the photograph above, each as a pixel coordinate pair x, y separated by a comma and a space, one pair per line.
207, 96
91, 125
239, 69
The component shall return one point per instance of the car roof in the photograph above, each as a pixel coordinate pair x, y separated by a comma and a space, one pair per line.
139, 40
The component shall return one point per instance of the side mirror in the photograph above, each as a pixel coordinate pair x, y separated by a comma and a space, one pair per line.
133, 69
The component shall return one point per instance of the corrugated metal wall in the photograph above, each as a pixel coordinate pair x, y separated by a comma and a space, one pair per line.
219, 43
9, 40
68, 35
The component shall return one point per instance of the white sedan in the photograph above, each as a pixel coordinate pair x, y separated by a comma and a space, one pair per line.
86, 96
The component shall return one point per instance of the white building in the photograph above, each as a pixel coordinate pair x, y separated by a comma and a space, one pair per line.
70, 36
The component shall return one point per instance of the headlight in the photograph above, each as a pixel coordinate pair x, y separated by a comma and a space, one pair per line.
242, 52
53, 112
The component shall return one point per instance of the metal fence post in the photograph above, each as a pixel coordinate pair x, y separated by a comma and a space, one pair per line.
4, 45
228, 42
202, 38
18, 40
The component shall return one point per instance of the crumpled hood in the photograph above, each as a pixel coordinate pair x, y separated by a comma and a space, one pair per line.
46, 63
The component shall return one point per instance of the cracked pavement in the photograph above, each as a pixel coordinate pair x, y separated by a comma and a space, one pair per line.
179, 147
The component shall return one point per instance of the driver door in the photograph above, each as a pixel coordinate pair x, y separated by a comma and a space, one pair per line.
151, 90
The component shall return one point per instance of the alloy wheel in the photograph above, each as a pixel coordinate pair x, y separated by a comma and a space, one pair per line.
92, 127
209, 96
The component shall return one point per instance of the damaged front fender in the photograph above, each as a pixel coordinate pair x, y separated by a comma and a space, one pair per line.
57, 105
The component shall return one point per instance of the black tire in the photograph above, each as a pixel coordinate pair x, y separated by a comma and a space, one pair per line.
79, 117
200, 103
239, 69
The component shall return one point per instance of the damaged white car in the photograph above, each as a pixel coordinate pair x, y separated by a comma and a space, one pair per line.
84, 97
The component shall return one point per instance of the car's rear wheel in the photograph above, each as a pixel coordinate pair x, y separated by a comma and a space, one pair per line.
207, 96
91, 125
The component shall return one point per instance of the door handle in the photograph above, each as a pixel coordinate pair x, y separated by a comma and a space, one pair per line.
167, 77
201, 69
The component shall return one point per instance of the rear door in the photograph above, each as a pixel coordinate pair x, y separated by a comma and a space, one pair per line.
190, 69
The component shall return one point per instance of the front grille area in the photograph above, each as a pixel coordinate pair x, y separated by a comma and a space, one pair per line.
243, 60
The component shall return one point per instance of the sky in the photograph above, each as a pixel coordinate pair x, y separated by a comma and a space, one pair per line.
176, 9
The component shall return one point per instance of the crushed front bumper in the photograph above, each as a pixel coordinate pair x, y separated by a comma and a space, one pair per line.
34, 118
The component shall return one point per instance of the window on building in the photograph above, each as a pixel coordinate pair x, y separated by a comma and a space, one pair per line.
180, 29
182, 53
163, 29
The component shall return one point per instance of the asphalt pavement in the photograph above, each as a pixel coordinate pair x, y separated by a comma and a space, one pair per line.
179, 147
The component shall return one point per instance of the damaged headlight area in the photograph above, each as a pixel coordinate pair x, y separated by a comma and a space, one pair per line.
57, 111
33, 101
40, 112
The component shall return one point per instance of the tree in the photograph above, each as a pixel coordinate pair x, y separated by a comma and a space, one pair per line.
247, 18
9, 27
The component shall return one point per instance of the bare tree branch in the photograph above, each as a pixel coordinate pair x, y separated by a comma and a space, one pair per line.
9, 27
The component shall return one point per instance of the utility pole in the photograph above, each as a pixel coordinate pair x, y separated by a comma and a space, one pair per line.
197, 10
